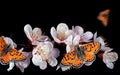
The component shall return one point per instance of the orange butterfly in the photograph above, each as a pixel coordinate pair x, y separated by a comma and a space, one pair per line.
103, 17
8, 52
84, 54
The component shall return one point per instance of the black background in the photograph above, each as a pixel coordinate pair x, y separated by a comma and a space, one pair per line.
13, 18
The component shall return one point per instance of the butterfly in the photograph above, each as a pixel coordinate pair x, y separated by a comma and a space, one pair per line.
8, 52
85, 54
103, 17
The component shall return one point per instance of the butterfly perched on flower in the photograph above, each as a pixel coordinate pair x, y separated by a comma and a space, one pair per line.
8, 52
84, 54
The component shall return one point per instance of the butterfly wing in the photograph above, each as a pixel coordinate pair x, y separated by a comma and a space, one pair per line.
71, 59
12, 55
90, 50
2, 45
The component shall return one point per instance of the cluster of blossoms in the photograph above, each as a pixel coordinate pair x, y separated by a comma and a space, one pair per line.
44, 52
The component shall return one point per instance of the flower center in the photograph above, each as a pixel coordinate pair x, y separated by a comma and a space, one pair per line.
61, 36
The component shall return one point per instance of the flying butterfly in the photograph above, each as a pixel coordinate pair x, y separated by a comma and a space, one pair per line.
104, 16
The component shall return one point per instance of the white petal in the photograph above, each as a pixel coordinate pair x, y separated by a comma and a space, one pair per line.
108, 49
52, 61
78, 30
28, 31
54, 35
110, 65
87, 36
64, 68
9, 41
89, 63
62, 27
49, 44
110, 57
55, 53
95, 36
36, 34
101, 41
15, 45
35, 43
68, 49
44, 38
76, 40
69, 41
11, 65
43, 65
36, 59
68, 33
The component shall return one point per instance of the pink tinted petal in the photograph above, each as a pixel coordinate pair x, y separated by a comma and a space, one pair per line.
76, 40
55, 53
68, 41
103, 48
43, 65
54, 35
11, 65
87, 36
101, 41
52, 61
62, 27
35, 43
28, 31
44, 38
110, 57
78, 30
110, 65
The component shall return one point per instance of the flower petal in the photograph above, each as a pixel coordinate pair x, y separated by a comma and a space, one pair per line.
110, 57
44, 38
55, 52
36, 34
43, 65
11, 65
78, 30
52, 61
89, 63
62, 27
68, 49
69, 40
110, 65
87, 36
9, 41
76, 40
54, 35
28, 31
36, 59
